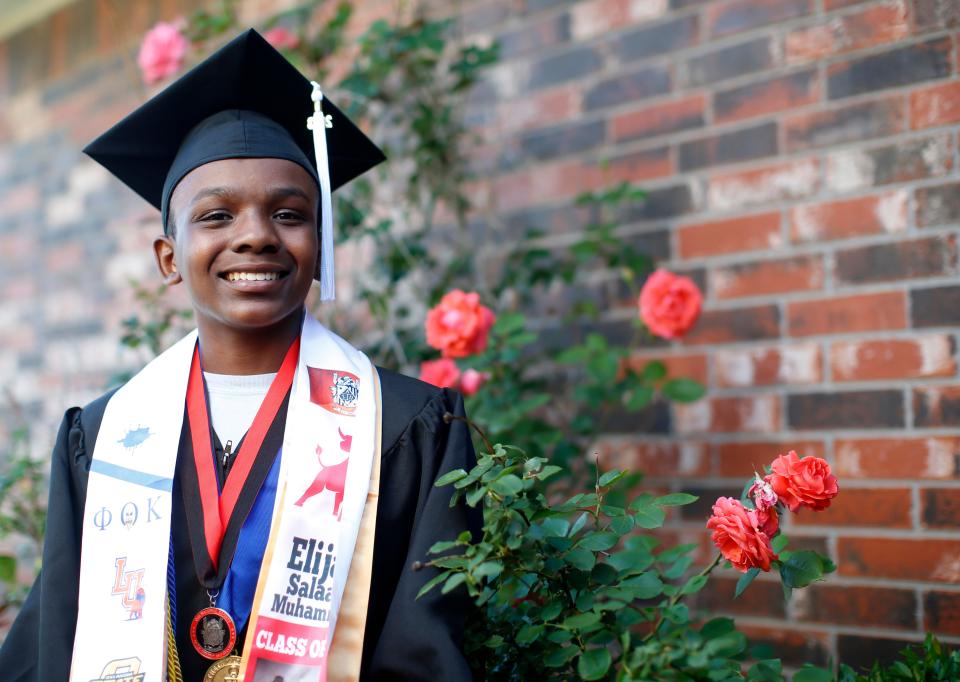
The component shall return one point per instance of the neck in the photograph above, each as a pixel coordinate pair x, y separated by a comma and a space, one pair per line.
226, 350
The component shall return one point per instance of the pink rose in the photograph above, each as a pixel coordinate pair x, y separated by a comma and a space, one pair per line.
162, 52
443, 372
737, 534
282, 38
805, 482
472, 380
762, 494
669, 304
458, 325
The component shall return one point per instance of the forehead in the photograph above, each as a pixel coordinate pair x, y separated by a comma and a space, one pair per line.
245, 176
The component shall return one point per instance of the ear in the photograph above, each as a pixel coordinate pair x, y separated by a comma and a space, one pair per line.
164, 252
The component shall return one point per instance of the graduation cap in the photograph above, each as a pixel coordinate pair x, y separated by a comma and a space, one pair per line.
244, 101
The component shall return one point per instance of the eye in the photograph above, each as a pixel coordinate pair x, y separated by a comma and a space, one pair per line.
288, 216
214, 216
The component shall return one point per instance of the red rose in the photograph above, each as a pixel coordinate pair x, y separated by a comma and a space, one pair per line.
458, 325
443, 372
803, 482
768, 521
737, 534
669, 304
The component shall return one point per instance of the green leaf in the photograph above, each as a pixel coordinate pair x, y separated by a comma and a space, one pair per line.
639, 398
433, 582
475, 495
450, 477
559, 657
683, 390
766, 671
621, 524
453, 582
555, 527
676, 499
8, 569
578, 524
581, 558
799, 569
654, 371
694, 584
611, 477
604, 574
717, 627
631, 560
745, 580
529, 633
649, 517
507, 485
581, 620
598, 541
812, 674
594, 664
779, 543
645, 586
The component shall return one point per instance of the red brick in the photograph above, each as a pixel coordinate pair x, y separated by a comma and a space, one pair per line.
754, 414
935, 106
942, 612
861, 169
935, 458
797, 363
940, 508
914, 358
742, 460
861, 313
881, 213
935, 406
789, 180
739, 324
876, 25
557, 180
833, 409
590, 19
931, 257
732, 16
537, 109
837, 4
762, 278
926, 559
764, 598
692, 366
659, 119
857, 605
766, 97
634, 167
732, 235
880, 508
654, 459
900, 66
850, 123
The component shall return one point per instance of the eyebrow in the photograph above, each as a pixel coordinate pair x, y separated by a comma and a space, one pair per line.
228, 193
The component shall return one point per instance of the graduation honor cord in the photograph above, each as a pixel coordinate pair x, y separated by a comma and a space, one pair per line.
213, 631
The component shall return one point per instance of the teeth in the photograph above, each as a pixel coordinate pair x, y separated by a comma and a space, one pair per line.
252, 276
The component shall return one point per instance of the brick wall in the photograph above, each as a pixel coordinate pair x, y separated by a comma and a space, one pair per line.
801, 161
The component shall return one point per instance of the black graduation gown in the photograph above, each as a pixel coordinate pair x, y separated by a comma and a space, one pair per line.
405, 638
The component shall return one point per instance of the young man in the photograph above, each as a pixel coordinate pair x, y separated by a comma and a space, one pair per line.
251, 504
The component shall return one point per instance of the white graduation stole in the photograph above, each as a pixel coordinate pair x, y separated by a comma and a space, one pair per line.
329, 444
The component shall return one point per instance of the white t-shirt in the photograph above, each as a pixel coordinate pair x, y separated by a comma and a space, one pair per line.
234, 401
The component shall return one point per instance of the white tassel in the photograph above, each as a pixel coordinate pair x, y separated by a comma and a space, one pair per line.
319, 123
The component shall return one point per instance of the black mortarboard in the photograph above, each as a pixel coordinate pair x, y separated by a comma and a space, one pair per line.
245, 100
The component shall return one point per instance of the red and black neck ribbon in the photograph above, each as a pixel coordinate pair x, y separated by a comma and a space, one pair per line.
214, 516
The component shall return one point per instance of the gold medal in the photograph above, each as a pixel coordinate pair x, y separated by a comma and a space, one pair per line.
225, 670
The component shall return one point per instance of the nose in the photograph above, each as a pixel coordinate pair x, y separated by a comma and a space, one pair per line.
255, 232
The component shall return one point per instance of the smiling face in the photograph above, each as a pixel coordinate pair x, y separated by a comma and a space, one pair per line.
244, 242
